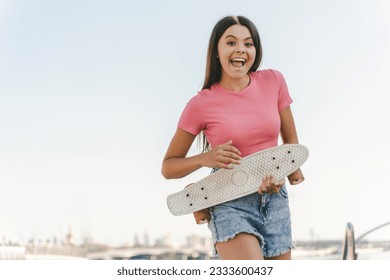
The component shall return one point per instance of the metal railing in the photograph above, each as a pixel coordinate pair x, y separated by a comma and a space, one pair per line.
349, 244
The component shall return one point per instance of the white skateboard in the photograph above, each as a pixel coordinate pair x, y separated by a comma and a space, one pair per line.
245, 178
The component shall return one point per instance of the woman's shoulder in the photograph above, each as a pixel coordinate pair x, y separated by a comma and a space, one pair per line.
199, 98
204, 94
268, 73
269, 76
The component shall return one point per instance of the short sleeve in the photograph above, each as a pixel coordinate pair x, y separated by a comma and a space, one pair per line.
284, 98
191, 119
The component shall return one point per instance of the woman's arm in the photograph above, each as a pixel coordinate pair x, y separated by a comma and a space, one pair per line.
287, 128
177, 165
289, 136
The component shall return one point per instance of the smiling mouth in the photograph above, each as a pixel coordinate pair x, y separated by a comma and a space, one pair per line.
238, 62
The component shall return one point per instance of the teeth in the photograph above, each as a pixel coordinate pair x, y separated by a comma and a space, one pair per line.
238, 60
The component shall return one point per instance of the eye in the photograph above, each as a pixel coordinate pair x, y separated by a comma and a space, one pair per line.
249, 44
231, 43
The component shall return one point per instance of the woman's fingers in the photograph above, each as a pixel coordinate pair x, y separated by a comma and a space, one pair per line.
296, 177
281, 182
264, 185
229, 154
228, 159
228, 146
225, 155
202, 216
270, 186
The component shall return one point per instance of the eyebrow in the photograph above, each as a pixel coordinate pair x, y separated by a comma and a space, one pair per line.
236, 37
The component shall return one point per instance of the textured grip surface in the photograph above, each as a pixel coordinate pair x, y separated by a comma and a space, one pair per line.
243, 179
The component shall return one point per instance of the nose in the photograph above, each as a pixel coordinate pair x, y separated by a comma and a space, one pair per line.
240, 49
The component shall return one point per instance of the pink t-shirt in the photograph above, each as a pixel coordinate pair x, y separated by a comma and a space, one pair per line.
250, 117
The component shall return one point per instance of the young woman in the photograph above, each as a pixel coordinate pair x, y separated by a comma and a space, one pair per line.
240, 111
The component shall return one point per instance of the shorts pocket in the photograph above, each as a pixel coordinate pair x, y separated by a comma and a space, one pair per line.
283, 192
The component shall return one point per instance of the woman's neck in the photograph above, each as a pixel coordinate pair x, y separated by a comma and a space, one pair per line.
234, 84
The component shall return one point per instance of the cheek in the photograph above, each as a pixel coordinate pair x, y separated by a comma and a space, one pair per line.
224, 64
223, 53
252, 56
224, 57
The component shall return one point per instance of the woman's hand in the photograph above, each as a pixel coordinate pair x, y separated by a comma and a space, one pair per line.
296, 177
270, 186
221, 156
202, 216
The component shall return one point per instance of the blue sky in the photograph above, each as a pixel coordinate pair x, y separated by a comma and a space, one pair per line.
90, 95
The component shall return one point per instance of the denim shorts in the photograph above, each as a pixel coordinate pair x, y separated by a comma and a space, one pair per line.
265, 216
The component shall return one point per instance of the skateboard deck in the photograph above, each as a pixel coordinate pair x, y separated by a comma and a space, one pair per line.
245, 178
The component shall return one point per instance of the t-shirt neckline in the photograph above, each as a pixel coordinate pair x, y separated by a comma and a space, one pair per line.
243, 91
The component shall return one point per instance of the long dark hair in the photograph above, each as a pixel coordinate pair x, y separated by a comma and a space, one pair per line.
213, 65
